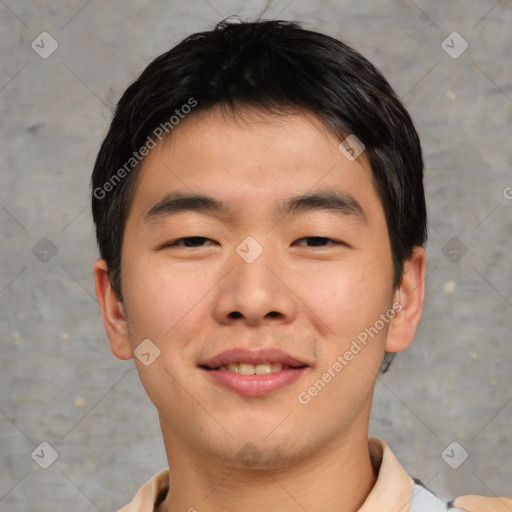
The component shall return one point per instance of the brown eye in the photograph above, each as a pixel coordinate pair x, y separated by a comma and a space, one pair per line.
188, 241
318, 241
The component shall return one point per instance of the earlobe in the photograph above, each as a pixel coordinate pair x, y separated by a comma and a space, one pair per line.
410, 295
113, 312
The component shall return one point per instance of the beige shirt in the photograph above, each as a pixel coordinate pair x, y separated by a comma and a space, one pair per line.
394, 491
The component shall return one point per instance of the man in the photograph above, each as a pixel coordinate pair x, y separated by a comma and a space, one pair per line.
261, 220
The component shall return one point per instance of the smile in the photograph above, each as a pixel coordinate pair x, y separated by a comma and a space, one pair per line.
253, 369
254, 372
254, 380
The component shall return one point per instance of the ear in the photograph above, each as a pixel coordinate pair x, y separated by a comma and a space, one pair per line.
409, 295
114, 316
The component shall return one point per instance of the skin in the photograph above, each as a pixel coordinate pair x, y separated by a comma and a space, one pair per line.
311, 301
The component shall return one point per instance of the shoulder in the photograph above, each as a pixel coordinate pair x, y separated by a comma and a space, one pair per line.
150, 494
396, 490
473, 503
425, 500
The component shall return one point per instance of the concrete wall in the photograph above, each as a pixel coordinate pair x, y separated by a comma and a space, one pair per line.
61, 384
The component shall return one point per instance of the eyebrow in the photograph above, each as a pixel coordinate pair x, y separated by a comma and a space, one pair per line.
325, 200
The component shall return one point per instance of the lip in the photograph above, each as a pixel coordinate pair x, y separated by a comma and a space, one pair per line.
254, 385
269, 355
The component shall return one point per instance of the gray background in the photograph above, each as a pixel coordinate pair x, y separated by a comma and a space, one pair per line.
59, 381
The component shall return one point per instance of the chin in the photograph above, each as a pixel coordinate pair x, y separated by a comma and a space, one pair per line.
265, 452
265, 458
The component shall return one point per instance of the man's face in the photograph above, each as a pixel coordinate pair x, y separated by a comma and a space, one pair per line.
257, 279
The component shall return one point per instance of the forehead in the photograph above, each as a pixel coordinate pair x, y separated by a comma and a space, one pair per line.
253, 163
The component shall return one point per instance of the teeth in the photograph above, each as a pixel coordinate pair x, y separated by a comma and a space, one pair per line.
262, 369
252, 369
246, 369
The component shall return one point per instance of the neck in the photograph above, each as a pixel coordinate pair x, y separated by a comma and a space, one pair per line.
337, 478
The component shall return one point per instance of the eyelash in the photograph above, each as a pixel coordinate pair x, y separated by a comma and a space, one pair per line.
176, 243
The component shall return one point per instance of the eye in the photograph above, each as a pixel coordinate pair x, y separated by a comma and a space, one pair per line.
198, 241
188, 241
319, 240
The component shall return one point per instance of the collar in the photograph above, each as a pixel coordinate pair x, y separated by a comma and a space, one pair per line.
392, 491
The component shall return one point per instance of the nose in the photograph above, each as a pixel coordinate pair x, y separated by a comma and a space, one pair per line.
255, 291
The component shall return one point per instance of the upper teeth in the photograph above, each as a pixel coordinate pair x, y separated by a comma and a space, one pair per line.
252, 369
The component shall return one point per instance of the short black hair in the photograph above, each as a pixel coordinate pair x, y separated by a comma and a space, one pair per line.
274, 66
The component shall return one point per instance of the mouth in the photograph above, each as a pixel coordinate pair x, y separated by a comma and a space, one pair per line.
254, 373
254, 369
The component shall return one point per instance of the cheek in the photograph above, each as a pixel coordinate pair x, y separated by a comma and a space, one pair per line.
160, 299
347, 296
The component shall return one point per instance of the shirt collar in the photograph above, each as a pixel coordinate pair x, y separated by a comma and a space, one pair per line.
392, 491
